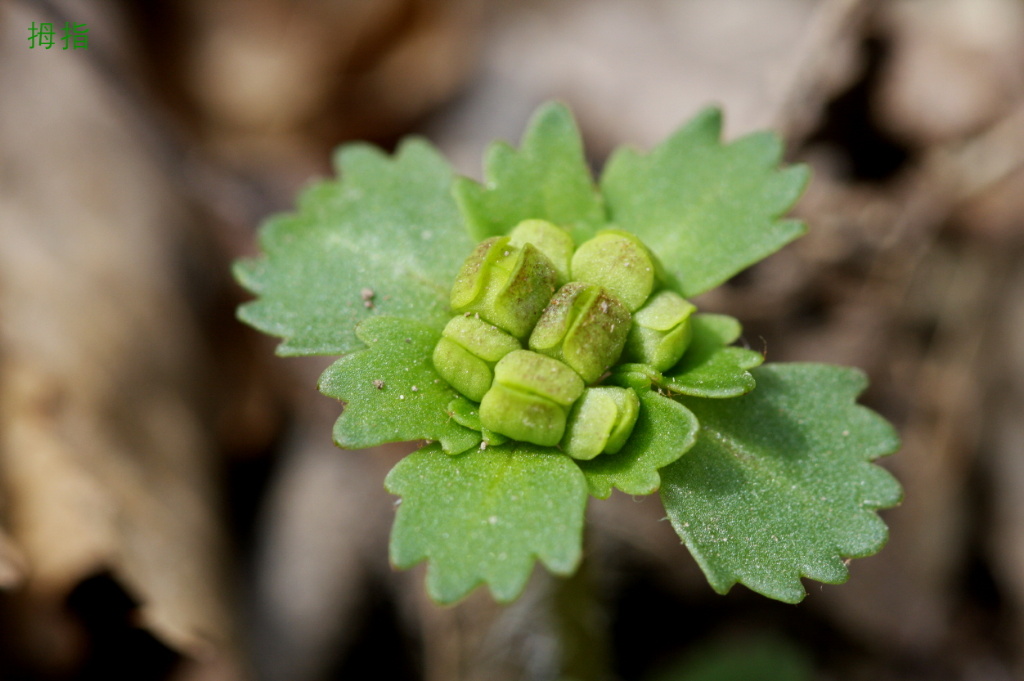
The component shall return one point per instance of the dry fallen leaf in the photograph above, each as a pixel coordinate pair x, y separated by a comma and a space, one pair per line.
106, 464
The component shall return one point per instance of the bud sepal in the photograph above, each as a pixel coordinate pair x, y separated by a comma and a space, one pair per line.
548, 238
585, 327
467, 352
467, 414
530, 398
601, 421
661, 331
619, 262
506, 285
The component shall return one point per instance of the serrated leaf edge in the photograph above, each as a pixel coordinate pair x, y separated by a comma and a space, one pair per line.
723, 584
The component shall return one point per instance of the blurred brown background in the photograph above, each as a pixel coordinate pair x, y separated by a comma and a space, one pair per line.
171, 506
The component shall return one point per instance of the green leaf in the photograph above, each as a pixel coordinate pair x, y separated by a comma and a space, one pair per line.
389, 226
779, 485
547, 178
664, 431
707, 210
392, 392
482, 517
710, 368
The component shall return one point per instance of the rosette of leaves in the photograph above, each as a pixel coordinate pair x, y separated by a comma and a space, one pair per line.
765, 471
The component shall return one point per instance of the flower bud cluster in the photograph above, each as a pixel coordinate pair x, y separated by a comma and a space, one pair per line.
578, 311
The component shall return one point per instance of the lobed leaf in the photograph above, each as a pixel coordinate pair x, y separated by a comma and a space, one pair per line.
547, 178
779, 485
387, 232
665, 430
706, 209
482, 517
392, 392
711, 367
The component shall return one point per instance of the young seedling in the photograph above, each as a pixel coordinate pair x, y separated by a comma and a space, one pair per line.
536, 331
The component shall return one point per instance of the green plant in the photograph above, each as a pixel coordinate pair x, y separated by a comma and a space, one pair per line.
765, 471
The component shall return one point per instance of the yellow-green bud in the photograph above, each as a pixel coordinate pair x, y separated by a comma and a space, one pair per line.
585, 327
505, 292
619, 262
530, 398
467, 414
506, 285
549, 239
661, 331
601, 421
467, 352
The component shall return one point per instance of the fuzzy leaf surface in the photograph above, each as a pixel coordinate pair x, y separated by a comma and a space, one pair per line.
546, 178
779, 485
391, 391
484, 516
711, 367
388, 225
708, 210
665, 430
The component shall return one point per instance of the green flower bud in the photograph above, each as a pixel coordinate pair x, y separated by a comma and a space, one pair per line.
585, 327
463, 370
549, 239
467, 352
467, 414
483, 339
538, 375
661, 331
530, 398
601, 421
505, 285
619, 262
